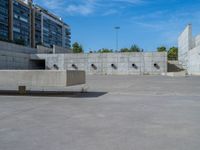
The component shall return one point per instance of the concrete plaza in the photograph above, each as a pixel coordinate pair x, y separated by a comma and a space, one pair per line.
117, 113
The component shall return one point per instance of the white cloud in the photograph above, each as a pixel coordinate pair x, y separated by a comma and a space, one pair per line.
81, 9
86, 7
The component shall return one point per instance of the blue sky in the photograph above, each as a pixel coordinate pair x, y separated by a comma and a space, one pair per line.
147, 23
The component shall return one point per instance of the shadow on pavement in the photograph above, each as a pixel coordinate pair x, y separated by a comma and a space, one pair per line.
73, 94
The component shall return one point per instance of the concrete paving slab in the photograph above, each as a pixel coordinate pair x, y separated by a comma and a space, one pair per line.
118, 113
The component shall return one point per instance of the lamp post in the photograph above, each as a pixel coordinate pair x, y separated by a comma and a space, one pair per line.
117, 40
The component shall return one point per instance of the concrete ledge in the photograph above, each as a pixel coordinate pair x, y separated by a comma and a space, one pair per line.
195, 74
41, 78
177, 74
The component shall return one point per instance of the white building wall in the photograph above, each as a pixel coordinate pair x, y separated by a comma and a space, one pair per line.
189, 51
185, 41
197, 40
194, 61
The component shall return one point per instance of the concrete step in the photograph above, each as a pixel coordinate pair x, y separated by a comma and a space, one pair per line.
175, 66
177, 74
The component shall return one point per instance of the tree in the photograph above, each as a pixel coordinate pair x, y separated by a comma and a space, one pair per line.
134, 48
105, 50
173, 53
124, 50
77, 48
162, 49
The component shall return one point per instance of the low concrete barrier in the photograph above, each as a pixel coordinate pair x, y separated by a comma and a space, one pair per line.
75, 77
41, 78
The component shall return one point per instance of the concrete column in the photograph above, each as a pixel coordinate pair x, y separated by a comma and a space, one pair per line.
63, 36
10, 20
42, 41
33, 28
30, 24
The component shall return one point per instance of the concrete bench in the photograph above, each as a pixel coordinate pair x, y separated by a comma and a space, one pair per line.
40, 78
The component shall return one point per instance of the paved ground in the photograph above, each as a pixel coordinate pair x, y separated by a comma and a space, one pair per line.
118, 113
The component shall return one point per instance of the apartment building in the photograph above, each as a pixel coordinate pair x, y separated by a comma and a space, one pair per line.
50, 29
4, 13
28, 24
22, 22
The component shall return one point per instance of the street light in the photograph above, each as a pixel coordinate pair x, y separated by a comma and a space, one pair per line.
117, 41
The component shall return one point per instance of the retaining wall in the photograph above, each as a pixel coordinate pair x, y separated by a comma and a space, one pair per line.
41, 78
152, 63
13, 56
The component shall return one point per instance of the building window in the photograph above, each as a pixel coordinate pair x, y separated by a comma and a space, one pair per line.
16, 29
24, 19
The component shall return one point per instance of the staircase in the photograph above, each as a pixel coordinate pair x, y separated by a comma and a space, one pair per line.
175, 69
174, 66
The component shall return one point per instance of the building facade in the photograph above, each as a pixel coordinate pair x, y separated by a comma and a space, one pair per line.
25, 23
50, 30
4, 13
22, 23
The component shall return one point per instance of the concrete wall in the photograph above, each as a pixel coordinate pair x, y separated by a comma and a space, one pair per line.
14, 48
184, 45
14, 56
54, 50
194, 61
152, 63
197, 40
41, 50
189, 51
60, 50
41, 78
9, 60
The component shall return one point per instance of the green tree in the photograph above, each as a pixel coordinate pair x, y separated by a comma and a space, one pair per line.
124, 50
77, 48
105, 50
134, 48
173, 53
162, 49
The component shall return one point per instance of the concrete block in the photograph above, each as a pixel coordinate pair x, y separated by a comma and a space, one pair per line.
41, 78
22, 90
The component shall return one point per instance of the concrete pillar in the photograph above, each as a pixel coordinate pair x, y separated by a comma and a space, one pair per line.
42, 16
10, 20
33, 28
30, 23
63, 36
